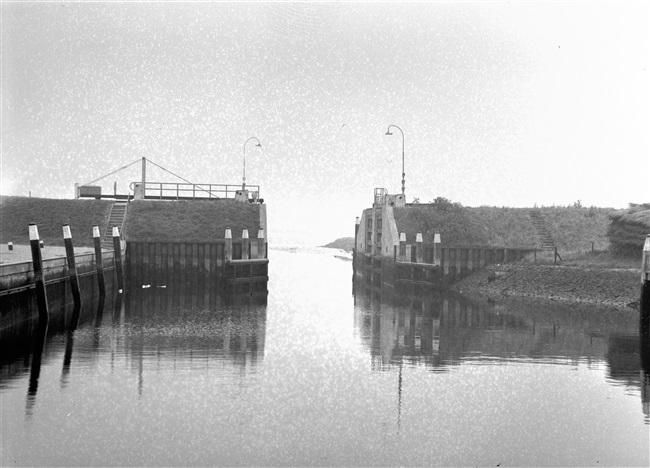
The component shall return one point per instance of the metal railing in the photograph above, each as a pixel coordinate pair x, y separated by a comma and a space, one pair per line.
169, 190
380, 195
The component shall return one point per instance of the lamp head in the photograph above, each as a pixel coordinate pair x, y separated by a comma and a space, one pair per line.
388, 133
259, 144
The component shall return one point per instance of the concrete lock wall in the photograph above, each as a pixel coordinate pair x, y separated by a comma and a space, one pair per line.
15, 276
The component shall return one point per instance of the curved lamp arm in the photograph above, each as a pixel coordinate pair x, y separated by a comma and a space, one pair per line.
402, 132
243, 185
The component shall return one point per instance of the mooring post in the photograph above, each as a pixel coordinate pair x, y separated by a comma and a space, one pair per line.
437, 250
117, 256
402, 246
644, 305
419, 253
99, 262
228, 247
261, 244
357, 224
10, 245
37, 261
245, 242
41, 244
72, 266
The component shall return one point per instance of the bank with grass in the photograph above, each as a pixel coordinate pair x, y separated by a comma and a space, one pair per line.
610, 277
146, 220
611, 282
598, 249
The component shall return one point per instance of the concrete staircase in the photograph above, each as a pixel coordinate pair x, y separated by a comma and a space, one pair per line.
116, 218
545, 237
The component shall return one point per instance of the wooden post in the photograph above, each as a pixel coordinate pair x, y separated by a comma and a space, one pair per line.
117, 256
644, 306
419, 251
10, 245
556, 256
254, 250
261, 244
245, 242
144, 176
402, 246
72, 266
228, 249
37, 261
357, 224
437, 250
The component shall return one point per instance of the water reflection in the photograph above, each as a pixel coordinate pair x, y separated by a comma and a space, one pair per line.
180, 326
38, 341
440, 331
179, 376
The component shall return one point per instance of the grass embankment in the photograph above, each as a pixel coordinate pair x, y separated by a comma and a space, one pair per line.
629, 228
49, 215
460, 225
603, 276
189, 221
573, 229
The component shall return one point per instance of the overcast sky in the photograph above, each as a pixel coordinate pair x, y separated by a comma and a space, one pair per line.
501, 103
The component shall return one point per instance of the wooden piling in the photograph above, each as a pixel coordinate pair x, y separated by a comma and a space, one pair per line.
228, 248
99, 262
72, 266
117, 255
261, 244
419, 251
245, 242
37, 261
402, 247
644, 306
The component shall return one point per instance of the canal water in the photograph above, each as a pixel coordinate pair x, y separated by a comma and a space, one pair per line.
325, 372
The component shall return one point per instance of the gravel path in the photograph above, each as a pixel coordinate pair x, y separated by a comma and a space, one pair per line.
612, 287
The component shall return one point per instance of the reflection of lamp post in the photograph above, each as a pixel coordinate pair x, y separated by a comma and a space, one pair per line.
243, 184
388, 133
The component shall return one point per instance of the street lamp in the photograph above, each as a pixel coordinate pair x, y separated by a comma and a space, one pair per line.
388, 133
243, 185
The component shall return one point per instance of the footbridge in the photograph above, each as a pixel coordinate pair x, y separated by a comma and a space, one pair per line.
145, 189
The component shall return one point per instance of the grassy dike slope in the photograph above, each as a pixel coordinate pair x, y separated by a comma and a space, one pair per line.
50, 214
572, 228
147, 220
189, 221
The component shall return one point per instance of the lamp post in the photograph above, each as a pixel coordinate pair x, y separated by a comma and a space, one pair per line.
243, 185
388, 133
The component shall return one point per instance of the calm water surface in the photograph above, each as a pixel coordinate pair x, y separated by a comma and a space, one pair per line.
321, 376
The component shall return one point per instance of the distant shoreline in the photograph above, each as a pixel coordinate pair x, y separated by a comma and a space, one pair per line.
343, 243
